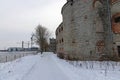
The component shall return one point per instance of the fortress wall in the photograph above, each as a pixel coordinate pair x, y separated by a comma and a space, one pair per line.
84, 28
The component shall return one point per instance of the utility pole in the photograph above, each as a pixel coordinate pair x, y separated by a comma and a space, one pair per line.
28, 44
22, 44
32, 40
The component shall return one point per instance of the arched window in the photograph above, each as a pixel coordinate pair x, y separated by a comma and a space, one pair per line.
100, 46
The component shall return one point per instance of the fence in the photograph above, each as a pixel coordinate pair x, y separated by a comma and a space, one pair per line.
10, 56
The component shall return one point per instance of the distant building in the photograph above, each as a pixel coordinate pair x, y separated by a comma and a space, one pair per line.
3, 50
52, 45
11, 49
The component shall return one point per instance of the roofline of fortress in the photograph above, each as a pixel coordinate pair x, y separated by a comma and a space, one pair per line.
59, 26
65, 5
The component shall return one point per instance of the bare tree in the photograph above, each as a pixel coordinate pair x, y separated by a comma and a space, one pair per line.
41, 37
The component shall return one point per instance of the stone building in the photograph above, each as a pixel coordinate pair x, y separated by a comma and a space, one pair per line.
52, 45
86, 31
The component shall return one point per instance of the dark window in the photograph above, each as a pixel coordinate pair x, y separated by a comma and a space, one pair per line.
62, 40
61, 28
119, 51
71, 2
73, 41
117, 19
85, 17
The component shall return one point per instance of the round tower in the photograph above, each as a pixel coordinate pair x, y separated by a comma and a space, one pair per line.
85, 32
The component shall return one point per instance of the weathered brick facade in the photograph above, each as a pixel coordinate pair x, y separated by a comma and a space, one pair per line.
87, 32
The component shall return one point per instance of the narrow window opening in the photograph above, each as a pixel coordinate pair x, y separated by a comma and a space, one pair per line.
118, 50
117, 20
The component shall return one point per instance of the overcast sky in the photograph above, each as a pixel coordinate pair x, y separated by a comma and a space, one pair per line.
18, 19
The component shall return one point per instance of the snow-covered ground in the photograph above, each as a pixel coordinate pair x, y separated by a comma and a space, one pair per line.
49, 67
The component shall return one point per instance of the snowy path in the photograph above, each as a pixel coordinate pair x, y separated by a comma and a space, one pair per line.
49, 67
46, 69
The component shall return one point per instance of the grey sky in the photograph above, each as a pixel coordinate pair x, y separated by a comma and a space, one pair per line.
18, 19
